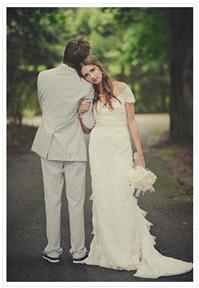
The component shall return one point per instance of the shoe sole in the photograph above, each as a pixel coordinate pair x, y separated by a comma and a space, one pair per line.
76, 261
51, 260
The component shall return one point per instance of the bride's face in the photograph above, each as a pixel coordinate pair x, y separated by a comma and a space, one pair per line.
92, 74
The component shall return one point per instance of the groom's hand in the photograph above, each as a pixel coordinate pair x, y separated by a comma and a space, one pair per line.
84, 106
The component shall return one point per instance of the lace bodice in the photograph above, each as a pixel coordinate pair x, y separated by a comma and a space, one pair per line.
117, 116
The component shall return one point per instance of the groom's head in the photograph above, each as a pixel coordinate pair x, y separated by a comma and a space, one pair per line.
76, 51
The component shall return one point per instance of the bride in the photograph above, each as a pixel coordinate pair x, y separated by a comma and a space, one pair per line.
122, 238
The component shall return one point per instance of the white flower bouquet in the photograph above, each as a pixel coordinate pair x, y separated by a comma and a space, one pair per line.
141, 179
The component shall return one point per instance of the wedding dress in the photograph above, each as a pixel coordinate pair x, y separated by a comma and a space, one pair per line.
122, 238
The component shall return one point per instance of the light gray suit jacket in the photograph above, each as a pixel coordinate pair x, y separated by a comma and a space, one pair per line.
60, 136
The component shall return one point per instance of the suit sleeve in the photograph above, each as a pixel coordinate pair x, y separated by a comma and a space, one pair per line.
88, 118
39, 93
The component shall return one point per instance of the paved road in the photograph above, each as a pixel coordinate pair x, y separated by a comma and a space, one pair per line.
172, 218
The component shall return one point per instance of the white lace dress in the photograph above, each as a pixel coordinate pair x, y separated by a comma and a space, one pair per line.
121, 233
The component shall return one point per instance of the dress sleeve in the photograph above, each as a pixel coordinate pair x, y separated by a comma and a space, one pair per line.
128, 95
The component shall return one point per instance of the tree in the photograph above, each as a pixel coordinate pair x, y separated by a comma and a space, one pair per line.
30, 40
149, 48
145, 60
181, 102
125, 40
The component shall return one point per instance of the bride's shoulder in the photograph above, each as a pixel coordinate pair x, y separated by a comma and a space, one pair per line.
119, 87
119, 84
124, 93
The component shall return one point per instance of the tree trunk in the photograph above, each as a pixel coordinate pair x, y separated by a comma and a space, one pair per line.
181, 104
163, 92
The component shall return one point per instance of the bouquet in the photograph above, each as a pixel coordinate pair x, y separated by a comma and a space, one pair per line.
141, 179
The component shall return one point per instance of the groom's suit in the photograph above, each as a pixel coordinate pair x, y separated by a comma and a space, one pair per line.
61, 144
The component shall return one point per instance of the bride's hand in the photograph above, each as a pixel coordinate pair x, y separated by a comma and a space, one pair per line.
84, 106
139, 160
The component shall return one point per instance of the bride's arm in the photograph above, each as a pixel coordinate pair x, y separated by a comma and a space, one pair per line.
134, 132
83, 108
84, 128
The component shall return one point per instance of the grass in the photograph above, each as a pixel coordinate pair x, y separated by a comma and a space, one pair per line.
28, 112
171, 181
166, 182
166, 152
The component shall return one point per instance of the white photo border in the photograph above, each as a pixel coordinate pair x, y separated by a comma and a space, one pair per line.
3, 136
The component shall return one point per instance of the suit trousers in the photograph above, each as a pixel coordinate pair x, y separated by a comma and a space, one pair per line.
54, 174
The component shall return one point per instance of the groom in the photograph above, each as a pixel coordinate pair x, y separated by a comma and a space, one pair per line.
60, 143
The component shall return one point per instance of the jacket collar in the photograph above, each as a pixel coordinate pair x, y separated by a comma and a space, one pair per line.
65, 67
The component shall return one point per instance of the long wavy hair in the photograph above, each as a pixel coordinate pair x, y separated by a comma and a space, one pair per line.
107, 84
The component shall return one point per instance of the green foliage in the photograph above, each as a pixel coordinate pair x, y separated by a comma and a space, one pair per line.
132, 43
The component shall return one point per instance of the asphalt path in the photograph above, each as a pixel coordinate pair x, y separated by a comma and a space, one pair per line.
171, 216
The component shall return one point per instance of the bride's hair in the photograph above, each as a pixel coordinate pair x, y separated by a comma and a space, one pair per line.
107, 83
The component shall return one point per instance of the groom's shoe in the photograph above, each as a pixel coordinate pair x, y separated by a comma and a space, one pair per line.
78, 260
51, 259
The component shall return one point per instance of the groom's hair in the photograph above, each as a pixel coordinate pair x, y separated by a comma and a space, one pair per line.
76, 51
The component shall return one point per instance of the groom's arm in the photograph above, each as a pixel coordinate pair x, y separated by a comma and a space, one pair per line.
39, 93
